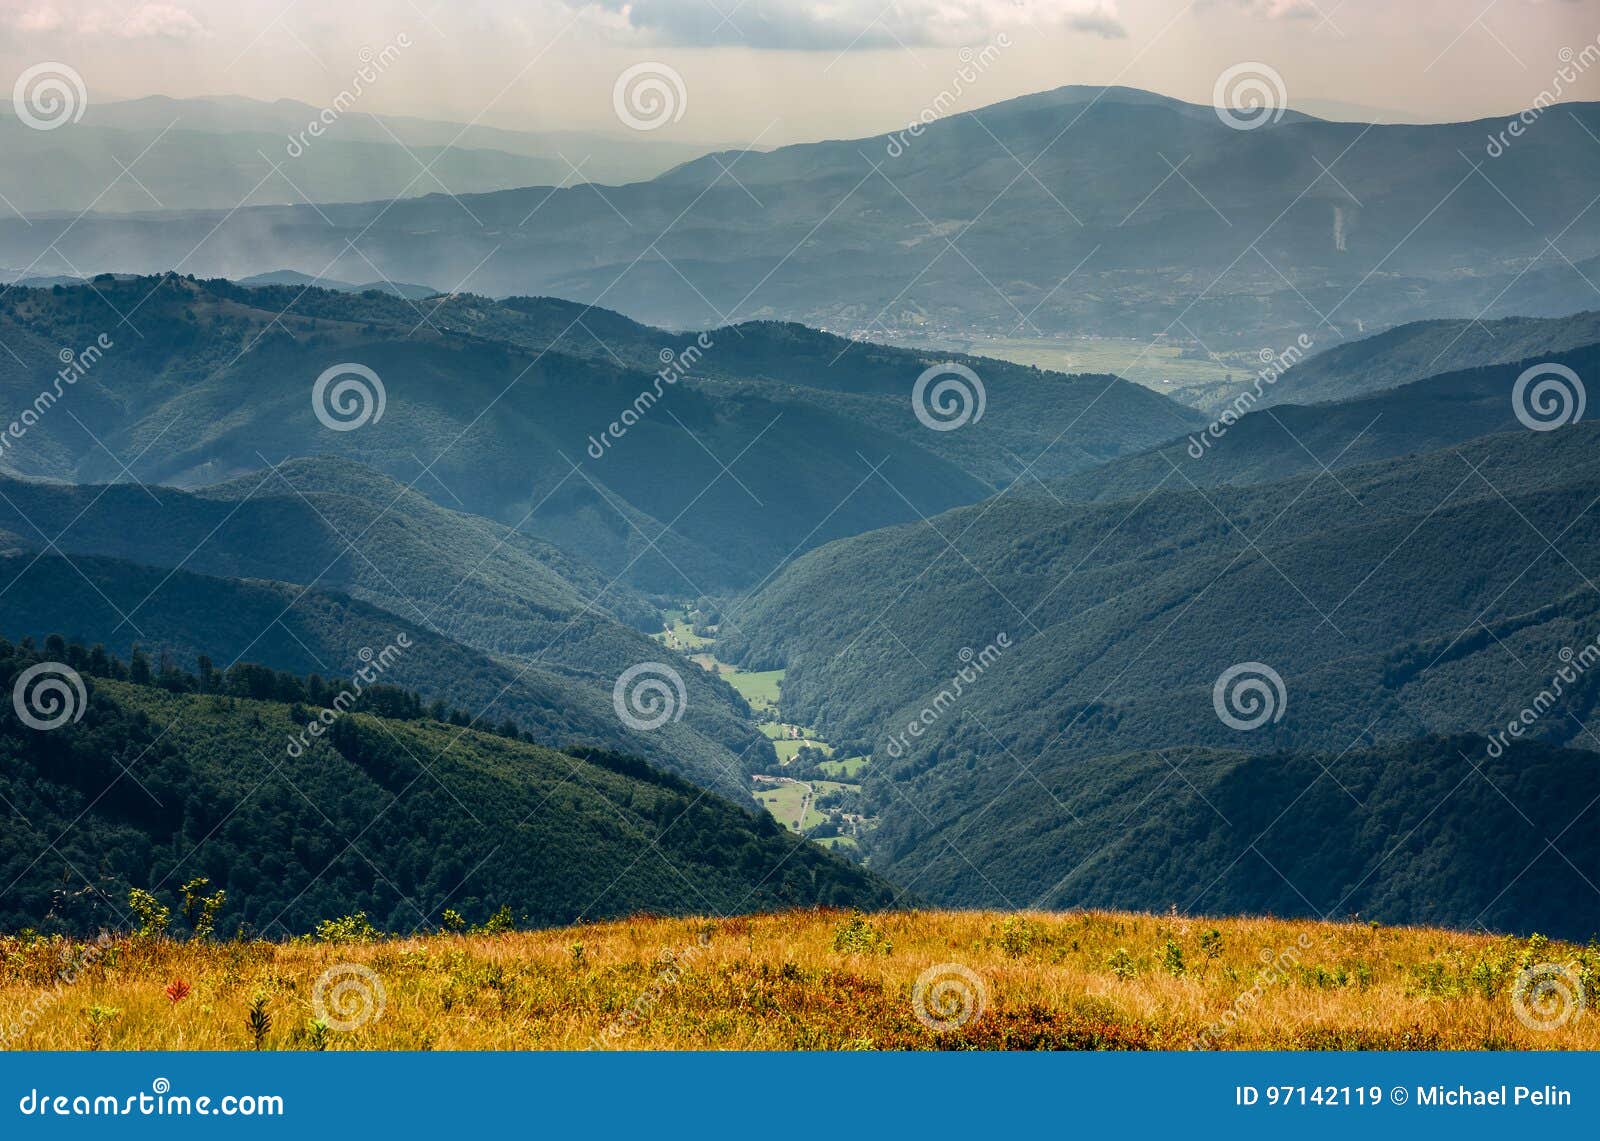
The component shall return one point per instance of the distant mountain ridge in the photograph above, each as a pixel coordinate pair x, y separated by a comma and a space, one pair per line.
819, 435
850, 236
219, 154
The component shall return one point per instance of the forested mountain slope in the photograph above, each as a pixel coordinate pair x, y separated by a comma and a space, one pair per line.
397, 818
1437, 593
184, 616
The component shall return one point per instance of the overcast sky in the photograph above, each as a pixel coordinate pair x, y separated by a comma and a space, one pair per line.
781, 71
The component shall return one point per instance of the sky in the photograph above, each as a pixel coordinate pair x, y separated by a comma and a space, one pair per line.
767, 72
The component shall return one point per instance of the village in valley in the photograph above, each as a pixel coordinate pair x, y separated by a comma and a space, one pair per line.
811, 791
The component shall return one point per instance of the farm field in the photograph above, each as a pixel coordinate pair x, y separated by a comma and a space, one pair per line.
793, 803
1162, 367
815, 980
790, 801
848, 767
680, 635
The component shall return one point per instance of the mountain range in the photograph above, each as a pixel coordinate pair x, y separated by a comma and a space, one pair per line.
1433, 592
1061, 211
774, 440
222, 153
1314, 643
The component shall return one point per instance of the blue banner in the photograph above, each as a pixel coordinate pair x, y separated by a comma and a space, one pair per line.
736, 1095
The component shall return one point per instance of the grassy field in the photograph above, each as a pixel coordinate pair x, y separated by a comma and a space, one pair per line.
847, 767
785, 802
810, 980
759, 689
680, 635
786, 749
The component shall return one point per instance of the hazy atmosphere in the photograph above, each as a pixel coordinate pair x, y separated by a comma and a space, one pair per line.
780, 71
699, 553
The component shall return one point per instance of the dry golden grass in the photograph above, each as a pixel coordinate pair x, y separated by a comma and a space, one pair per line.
806, 980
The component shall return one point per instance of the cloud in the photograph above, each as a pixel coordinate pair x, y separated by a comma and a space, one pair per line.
844, 25
160, 21
143, 22
1271, 9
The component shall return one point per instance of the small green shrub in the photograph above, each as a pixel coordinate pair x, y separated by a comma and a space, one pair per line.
350, 929
1122, 964
857, 936
153, 915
